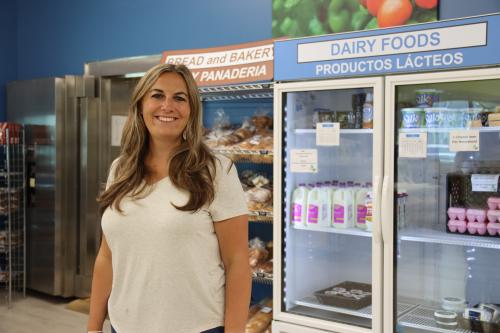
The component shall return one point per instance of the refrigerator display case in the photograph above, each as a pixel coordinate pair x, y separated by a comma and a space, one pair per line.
327, 214
442, 156
429, 247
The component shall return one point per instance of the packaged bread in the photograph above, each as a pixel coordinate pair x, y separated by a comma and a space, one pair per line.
257, 255
261, 320
269, 329
264, 267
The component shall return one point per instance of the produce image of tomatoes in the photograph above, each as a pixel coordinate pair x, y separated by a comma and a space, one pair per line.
300, 18
394, 12
426, 4
373, 6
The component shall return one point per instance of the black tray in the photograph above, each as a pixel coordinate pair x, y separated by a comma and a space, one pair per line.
343, 301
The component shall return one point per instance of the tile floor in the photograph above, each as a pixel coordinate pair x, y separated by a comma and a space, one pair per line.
41, 314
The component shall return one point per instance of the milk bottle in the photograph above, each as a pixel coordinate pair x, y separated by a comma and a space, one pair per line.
299, 205
360, 208
326, 198
313, 206
369, 209
342, 207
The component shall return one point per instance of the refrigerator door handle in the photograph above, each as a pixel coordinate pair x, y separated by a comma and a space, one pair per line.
385, 210
377, 227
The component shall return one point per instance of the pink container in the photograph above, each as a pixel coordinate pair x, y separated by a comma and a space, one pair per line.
493, 229
457, 225
456, 213
478, 227
493, 215
493, 203
478, 215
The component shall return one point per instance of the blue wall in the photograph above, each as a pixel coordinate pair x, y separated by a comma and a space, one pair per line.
449, 9
8, 49
56, 37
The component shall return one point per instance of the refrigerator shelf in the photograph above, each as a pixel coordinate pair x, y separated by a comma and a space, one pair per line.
422, 317
348, 231
442, 237
312, 302
342, 131
446, 130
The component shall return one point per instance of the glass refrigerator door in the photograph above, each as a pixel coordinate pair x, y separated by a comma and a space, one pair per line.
330, 131
446, 244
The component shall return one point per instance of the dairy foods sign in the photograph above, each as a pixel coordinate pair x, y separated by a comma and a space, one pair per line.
242, 63
423, 47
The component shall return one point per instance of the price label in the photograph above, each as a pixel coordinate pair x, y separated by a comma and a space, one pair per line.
413, 145
484, 183
464, 141
117, 124
304, 160
327, 134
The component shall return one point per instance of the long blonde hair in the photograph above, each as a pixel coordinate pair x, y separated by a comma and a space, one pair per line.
191, 166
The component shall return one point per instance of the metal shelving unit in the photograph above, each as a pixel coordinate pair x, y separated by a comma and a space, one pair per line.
12, 215
242, 93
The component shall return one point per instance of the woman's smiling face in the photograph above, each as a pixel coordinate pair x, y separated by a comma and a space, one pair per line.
166, 109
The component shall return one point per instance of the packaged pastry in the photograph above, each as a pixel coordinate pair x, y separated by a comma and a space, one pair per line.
264, 267
261, 320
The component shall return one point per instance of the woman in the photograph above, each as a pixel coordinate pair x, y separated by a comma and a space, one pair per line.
174, 253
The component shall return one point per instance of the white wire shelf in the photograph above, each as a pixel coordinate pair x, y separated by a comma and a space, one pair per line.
342, 131
422, 317
312, 302
347, 231
448, 129
442, 237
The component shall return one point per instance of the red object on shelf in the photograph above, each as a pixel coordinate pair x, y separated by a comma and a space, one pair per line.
14, 133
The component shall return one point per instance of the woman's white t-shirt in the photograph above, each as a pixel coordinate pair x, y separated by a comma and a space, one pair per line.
168, 275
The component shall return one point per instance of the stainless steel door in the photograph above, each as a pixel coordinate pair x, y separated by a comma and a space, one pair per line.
52, 110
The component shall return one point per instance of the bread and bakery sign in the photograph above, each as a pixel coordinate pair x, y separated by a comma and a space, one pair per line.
242, 63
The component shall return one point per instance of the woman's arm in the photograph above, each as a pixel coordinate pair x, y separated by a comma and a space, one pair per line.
233, 243
101, 287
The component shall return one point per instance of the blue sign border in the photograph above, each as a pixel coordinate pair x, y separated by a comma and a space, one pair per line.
287, 68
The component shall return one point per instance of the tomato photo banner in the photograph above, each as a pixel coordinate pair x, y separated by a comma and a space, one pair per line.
424, 47
301, 18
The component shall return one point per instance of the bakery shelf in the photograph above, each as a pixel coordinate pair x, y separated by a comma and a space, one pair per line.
260, 214
262, 278
237, 151
347, 231
268, 219
246, 155
237, 92
442, 237
342, 131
